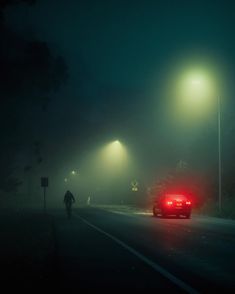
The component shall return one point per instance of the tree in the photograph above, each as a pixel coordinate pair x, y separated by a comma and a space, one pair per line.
29, 74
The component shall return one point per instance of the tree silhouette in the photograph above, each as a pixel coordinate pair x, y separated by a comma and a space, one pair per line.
29, 74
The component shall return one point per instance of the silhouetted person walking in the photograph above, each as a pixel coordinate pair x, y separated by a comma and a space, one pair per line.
68, 201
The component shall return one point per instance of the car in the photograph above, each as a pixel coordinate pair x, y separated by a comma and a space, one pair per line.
172, 204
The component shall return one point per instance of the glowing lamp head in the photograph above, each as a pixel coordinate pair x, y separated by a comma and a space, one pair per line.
114, 156
194, 93
196, 82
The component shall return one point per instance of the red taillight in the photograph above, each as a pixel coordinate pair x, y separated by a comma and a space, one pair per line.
188, 202
169, 202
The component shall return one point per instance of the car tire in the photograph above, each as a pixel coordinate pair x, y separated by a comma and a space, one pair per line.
163, 214
188, 215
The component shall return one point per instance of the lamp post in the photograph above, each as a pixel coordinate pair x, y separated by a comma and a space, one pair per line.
199, 85
219, 153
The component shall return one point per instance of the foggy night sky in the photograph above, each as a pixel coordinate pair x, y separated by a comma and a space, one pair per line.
117, 51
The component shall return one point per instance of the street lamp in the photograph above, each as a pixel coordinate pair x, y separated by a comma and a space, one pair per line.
113, 160
200, 89
198, 83
114, 154
219, 153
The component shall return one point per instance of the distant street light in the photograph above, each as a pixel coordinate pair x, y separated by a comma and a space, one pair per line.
72, 173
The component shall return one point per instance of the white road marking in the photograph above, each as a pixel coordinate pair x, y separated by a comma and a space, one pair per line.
146, 260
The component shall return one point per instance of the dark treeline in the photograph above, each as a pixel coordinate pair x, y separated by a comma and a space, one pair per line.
29, 74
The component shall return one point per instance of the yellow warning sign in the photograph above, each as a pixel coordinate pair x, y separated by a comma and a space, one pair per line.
134, 186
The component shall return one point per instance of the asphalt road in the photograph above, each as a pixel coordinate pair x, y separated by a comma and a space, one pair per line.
107, 251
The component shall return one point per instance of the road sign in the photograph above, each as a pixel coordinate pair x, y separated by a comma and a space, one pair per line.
181, 165
44, 182
134, 186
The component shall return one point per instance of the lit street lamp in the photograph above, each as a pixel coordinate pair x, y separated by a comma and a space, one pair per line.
114, 155
199, 88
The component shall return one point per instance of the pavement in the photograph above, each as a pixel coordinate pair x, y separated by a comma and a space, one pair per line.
112, 249
26, 250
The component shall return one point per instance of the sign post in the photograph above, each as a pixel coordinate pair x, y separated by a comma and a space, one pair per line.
44, 184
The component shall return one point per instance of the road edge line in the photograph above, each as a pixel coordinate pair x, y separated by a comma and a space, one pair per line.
145, 259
